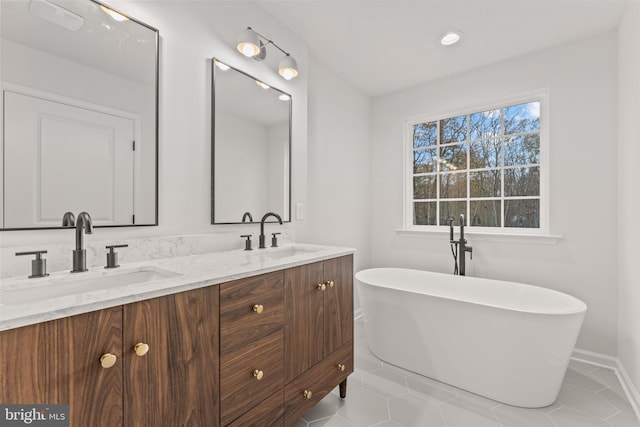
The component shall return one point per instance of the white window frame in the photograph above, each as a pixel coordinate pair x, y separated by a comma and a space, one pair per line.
541, 96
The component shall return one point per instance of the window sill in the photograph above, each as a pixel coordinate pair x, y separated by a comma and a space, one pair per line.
540, 239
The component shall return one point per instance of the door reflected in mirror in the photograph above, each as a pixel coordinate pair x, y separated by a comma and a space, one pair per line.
251, 151
79, 107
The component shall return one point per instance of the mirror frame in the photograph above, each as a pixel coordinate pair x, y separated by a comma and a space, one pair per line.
157, 135
213, 144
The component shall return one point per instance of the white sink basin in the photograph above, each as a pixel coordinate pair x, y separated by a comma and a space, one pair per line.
78, 283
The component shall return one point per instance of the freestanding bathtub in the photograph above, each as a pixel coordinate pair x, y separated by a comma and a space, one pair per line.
506, 341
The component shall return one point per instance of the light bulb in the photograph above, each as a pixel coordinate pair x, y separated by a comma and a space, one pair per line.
248, 50
287, 74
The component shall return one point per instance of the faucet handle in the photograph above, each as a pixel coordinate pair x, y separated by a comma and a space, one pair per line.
274, 240
112, 256
247, 243
38, 265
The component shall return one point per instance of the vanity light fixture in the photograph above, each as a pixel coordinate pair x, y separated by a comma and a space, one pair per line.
450, 38
254, 45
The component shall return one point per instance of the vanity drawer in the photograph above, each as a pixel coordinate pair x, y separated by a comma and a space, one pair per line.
250, 309
268, 413
250, 374
319, 380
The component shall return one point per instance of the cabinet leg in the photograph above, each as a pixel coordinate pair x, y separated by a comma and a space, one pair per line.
343, 389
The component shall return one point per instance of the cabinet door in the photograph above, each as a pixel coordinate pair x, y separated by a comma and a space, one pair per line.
338, 307
58, 362
304, 322
176, 382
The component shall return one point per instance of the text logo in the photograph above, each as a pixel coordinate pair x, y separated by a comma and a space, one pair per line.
34, 415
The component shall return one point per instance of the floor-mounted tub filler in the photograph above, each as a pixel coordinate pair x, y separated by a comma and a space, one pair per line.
507, 341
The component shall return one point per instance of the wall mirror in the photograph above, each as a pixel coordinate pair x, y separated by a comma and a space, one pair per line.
79, 115
251, 152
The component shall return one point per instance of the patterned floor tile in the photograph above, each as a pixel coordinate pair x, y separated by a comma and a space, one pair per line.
382, 395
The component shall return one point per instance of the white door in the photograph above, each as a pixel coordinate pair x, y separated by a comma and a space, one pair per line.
59, 158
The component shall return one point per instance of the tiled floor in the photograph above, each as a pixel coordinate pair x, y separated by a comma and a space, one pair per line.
382, 395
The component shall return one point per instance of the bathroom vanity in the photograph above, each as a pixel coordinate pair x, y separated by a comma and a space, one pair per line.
260, 342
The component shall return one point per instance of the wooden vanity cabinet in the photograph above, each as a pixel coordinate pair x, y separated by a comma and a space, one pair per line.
318, 347
258, 351
57, 362
174, 384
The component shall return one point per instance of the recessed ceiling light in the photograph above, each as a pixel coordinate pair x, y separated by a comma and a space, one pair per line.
451, 37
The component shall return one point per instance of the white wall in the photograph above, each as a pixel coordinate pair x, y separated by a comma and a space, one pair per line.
191, 33
628, 195
338, 212
581, 79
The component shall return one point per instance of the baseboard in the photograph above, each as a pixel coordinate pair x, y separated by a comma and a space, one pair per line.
613, 363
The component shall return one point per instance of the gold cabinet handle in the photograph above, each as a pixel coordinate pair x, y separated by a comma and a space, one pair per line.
341, 367
322, 286
258, 308
330, 283
107, 360
258, 374
141, 349
307, 394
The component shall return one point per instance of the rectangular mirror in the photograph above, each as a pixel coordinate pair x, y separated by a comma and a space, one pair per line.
251, 166
79, 115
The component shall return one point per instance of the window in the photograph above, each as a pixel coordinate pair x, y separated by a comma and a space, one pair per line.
486, 165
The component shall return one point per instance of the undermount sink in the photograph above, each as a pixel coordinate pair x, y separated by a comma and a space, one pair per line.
285, 252
77, 283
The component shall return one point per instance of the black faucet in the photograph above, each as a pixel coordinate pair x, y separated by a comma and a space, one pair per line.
262, 239
80, 253
247, 215
461, 247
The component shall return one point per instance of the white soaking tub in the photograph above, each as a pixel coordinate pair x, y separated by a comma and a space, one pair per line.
507, 341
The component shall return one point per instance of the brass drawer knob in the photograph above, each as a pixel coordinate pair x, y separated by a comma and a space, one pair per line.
307, 394
258, 308
258, 374
330, 283
141, 349
108, 360
322, 286
341, 367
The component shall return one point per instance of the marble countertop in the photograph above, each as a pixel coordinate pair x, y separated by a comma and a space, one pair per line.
26, 301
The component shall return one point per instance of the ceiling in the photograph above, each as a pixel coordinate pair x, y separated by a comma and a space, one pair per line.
383, 46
